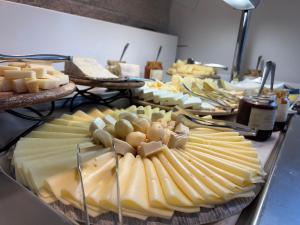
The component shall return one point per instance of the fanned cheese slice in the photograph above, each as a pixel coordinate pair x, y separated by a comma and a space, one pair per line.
233, 157
71, 123
207, 194
218, 187
96, 113
236, 179
174, 196
156, 196
194, 196
45, 134
83, 115
136, 195
62, 129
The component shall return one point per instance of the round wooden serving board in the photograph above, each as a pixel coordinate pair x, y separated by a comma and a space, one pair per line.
13, 100
194, 111
118, 84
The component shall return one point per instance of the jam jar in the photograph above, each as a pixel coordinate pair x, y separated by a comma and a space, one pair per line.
259, 113
152, 65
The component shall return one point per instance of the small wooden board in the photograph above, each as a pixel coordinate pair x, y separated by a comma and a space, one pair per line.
194, 111
14, 100
117, 84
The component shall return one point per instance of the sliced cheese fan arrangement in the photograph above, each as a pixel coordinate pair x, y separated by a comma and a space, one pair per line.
210, 95
164, 166
24, 77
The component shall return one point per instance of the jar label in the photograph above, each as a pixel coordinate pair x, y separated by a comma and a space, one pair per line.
262, 119
282, 112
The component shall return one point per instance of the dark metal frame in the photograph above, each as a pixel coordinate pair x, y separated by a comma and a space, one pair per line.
96, 99
39, 117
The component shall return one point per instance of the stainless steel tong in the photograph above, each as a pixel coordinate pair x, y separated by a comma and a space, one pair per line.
217, 103
120, 216
218, 124
87, 218
270, 67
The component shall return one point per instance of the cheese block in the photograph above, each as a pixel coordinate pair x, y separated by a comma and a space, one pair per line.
88, 67
15, 74
19, 86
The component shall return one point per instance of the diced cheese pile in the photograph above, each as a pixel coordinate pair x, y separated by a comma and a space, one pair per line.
182, 68
209, 168
23, 77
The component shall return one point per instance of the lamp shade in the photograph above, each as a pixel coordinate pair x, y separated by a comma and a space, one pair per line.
243, 4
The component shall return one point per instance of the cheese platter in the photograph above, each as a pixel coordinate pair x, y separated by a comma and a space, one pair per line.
169, 173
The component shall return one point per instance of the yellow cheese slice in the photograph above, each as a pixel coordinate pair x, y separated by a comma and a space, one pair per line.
72, 118
184, 185
96, 113
62, 129
83, 115
219, 186
136, 195
207, 194
174, 196
249, 162
219, 138
156, 195
71, 123
45, 134
220, 143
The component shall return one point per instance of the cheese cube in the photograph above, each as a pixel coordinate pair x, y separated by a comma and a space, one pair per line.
46, 67
3, 68
14, 74
6, 85
47, 84
40, 72
62, 78
177, 141
122, 147
19, 86
182, 129
150, 148
32, 85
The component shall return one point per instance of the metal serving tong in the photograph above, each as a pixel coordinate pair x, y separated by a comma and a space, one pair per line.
270, 67
87, 218
218, 124
120, 216
79, 169
217, 102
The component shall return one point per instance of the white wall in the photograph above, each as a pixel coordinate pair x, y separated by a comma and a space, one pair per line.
210, 29
28, 30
